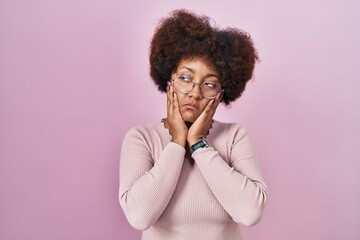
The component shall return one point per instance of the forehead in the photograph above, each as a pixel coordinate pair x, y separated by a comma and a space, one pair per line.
198, 65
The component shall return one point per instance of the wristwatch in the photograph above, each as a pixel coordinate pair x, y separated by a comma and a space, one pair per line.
200, 144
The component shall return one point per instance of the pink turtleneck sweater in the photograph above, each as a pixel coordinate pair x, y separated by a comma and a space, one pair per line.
164, 195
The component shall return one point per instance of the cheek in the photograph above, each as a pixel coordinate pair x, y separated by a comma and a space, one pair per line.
203, 105
180, 98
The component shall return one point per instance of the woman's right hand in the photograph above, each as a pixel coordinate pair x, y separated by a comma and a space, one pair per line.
175, 123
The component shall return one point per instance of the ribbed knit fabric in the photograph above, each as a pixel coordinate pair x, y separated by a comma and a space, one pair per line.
164, 195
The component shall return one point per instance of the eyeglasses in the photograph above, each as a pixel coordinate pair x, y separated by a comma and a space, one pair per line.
185, 84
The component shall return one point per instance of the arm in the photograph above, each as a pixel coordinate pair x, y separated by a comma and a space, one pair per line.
146, 187
239, 188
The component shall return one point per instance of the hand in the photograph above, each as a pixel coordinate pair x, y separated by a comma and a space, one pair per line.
177, 127
200, 128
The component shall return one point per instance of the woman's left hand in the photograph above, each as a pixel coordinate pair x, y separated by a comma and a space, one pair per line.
200, 128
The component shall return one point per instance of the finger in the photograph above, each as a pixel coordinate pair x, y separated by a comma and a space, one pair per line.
176, 105
207, 113
171, 94
218, 100
168, 101
215, 102
176, 100
211, 108
210, 105
168, 91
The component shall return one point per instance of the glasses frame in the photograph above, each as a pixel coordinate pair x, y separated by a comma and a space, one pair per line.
200, 85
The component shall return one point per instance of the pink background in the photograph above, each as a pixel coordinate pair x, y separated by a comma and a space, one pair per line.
74, 78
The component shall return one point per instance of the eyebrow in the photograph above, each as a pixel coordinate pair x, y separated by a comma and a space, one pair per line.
193, 71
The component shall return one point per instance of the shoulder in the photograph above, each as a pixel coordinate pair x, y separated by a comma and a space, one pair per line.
238, 143
144, 131
151, 135
229, 129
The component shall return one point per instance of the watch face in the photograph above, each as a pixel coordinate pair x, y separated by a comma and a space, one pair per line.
198, 145
206, 142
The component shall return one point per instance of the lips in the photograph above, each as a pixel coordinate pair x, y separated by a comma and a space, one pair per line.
191, 106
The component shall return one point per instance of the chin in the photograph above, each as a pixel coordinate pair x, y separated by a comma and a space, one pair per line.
189, 117
189, 121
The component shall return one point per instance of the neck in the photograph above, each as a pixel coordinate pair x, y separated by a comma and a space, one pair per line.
188, 124
164, 120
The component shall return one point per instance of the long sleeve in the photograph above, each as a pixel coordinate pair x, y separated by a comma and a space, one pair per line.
237, 184
147, 184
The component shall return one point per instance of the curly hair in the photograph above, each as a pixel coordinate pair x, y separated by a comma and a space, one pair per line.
184, 34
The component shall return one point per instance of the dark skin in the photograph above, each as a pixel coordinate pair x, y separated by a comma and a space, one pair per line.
185, 132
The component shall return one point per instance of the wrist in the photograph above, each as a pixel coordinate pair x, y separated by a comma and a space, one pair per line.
181, 142
193, 141
203, 143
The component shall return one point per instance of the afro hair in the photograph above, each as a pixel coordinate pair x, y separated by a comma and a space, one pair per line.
184, 34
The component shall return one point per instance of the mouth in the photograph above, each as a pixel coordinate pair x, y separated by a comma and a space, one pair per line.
191, 106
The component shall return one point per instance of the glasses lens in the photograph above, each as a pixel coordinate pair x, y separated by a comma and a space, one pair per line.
183, 85
186, 85
210, 90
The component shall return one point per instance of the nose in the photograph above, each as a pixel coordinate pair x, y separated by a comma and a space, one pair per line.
196, 91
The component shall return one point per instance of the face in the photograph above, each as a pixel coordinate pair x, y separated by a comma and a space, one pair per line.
192, 104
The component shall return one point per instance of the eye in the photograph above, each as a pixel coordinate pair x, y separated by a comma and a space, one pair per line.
210, 84
185, 78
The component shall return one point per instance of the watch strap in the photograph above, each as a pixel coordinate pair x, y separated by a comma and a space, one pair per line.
199, 144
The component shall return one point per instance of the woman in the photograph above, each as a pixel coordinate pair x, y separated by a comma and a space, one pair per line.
190, 176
